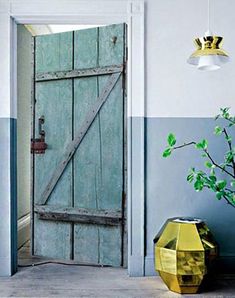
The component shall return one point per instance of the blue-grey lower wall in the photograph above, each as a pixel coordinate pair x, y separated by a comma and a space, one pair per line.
13, 193
8, 194
168, 194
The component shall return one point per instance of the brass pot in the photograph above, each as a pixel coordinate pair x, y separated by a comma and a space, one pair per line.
183, 250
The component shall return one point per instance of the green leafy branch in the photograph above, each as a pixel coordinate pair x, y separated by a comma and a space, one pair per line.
223, 189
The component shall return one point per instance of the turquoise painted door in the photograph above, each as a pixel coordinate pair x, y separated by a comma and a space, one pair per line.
78, 182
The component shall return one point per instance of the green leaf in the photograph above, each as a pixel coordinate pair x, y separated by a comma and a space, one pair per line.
217, 116
198, 146
233, 199
223, 110
171, 139
208, 164
229, 139
190, 177
218, 130
225, 113
198, 176
218, 195
221, 184
212, 178
229, 156
167, 152
198, 185
232, 183
202, 145
212, 171
212, 185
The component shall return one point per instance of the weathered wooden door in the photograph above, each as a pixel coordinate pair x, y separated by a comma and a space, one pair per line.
79, 109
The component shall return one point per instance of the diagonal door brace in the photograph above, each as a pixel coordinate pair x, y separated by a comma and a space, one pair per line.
72, 146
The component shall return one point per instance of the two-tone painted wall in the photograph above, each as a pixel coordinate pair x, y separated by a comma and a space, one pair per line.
183, 100
178, 99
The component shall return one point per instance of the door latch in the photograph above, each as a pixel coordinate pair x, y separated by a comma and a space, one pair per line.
38, 146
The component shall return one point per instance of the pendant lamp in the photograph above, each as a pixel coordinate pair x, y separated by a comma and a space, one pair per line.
209, 54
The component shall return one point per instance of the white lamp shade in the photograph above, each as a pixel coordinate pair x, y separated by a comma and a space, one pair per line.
209, 62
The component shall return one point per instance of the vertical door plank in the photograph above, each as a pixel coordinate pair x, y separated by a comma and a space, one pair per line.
86, 244
54, 101
111, 134
54, 52
85, 48
87, 157
111, 51
111, 120
110, 246
111, 45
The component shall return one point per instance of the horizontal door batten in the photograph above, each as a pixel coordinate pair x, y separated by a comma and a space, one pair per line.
78, 73
79, 215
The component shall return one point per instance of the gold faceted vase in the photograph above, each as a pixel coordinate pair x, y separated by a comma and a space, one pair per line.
183, 250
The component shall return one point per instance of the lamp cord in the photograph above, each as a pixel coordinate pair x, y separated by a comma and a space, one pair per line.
208, 15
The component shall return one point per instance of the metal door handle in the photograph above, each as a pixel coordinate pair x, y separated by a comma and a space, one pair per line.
41, 121
38, 146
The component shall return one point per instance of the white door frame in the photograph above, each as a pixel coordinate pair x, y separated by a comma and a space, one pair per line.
97, 12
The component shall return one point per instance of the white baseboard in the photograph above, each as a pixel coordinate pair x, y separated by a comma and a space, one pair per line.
5, 267
135, 266
23, 230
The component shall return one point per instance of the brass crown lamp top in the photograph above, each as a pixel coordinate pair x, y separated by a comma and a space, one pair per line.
209, 45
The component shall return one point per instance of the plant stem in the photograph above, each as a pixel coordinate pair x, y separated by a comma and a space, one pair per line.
231, 191
208, 155
218, 166
227, 200
233, 122
184, 145
230, 148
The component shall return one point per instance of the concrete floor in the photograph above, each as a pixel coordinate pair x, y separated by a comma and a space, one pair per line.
54, 280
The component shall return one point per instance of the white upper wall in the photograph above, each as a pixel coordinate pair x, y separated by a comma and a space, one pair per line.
174, 88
